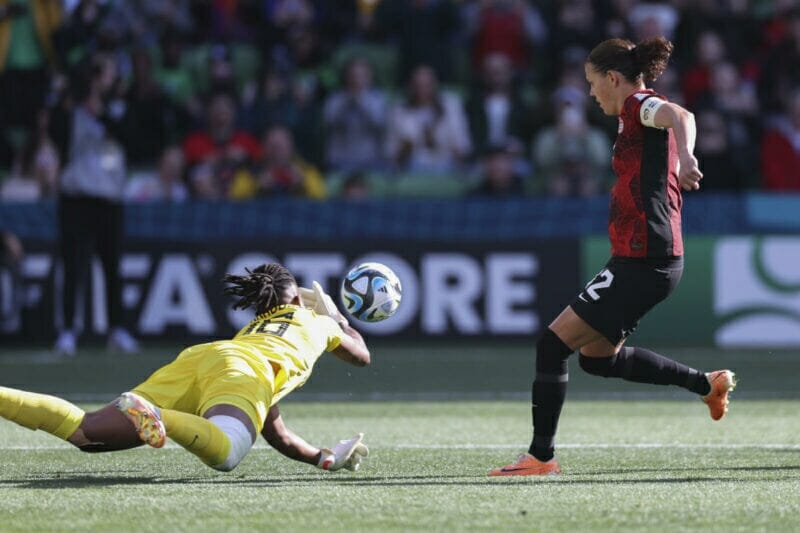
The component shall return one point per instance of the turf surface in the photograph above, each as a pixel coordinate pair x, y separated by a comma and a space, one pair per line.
635, 457
628, 466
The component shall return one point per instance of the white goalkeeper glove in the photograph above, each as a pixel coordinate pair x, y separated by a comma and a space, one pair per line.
344, 454
321, 303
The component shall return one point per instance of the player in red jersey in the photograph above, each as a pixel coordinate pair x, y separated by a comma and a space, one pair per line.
653, 160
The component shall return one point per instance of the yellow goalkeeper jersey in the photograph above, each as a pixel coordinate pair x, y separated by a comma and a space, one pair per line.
290, 338
271, 356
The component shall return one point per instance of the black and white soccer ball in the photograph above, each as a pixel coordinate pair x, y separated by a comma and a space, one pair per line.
371, 292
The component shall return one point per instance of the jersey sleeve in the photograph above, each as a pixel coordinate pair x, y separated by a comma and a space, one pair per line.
333, 333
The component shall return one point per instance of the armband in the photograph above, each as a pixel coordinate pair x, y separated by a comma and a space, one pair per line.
647, 112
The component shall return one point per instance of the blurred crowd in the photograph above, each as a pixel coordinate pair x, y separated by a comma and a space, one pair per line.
237, 99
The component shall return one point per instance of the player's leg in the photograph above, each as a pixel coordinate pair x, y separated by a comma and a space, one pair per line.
105, 430
220, 438
634, 289
549, 390
40, 411
641, 365
97, 431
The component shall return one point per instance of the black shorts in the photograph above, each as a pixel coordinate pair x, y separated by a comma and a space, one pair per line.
626, 289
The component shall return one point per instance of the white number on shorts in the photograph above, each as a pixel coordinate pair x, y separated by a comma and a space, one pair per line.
601, 281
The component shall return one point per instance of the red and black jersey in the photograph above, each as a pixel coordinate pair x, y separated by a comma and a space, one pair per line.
645, 216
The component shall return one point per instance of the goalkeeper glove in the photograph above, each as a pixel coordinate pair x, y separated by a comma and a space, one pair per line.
321, 303
344, 454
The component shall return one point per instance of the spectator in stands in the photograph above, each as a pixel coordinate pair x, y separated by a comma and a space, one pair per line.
217, 153
511, 28
780, 148
155, 120
306, 48
26, 55
281, 172
35, 172
269, 102
174, 77
423, 31
723, 168
232, 20
221, 70
354, 119
356, 187
89, 205
167, 183
780, 72
668, 85
498, 178
657, 18
696, 80
142, 22
11, 296
428, 132
737, 102
572, 156
497, 115
575, 25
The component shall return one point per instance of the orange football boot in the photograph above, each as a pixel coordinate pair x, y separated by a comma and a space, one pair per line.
722, 382
528, 465
145, 418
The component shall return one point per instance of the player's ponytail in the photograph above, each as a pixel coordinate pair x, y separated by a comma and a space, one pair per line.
652, 56
645, 61
261, 288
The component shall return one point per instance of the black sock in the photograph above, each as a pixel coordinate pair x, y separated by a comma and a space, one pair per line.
643, 366
548, 393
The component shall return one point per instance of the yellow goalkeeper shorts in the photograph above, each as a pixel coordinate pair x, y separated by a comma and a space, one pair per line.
204, 376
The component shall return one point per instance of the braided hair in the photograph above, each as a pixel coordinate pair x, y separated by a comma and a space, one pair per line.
261, 288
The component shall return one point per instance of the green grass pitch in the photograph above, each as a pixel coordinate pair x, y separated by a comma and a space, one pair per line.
628, 466
635, 458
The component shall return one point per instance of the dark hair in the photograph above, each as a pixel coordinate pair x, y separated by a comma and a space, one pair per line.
261, 288
85, 73
637, 62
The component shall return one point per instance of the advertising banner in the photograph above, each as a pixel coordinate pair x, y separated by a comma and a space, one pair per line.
757, 291
449, 289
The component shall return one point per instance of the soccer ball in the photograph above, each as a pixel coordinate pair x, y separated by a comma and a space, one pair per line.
371, 292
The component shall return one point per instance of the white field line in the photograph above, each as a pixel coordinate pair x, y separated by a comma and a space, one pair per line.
574, 446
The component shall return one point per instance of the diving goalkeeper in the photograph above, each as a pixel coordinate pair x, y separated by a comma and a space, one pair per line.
215, 398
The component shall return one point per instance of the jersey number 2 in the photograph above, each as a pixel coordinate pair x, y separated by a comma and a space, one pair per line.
601, 281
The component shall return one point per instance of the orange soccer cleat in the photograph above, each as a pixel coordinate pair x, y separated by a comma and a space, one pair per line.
722, 382
145, 418
528, 465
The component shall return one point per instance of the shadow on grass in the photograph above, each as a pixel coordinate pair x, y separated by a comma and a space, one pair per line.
77, 481
624, 470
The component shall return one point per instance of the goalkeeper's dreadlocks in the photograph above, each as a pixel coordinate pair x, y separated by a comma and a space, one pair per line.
262, 288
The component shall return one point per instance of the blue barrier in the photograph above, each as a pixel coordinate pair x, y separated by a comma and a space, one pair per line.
411, 219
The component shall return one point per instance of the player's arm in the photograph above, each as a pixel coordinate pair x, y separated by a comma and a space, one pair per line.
345, 454
286, 441
681, 121
352, 348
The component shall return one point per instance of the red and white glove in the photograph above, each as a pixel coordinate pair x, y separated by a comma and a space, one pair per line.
344, 454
